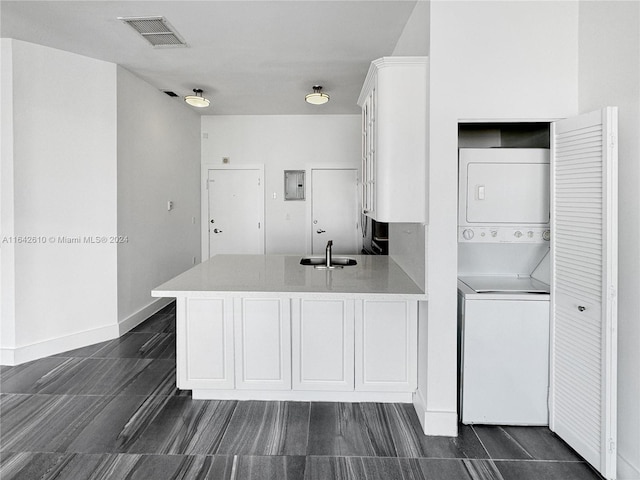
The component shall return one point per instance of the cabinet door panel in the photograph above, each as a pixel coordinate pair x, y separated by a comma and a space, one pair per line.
206, 328
323, 344
368, 154
263, 344
386, 346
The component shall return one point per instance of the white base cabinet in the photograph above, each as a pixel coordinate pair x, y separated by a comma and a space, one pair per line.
341, 349
204, 343
262, 343
323, 344
386, 346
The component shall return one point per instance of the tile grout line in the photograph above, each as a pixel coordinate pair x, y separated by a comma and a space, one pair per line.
481, 442
306, 448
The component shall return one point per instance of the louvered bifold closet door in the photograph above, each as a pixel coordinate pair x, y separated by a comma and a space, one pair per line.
582, 400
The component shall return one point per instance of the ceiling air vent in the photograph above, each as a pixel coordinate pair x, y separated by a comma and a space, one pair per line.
156, 30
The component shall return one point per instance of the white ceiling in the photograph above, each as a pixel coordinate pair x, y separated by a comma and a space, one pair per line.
250, 57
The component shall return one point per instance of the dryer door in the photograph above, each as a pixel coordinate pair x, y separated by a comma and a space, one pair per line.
503, 187
500, 193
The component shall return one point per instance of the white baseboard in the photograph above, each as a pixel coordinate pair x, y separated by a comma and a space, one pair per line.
626, 470
34, 351
141, 315
436, 423
302, 396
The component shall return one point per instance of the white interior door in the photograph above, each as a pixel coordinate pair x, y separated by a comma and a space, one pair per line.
334, 210
236, 211
582, 400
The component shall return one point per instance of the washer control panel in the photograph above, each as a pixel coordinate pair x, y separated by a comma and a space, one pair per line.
522, 234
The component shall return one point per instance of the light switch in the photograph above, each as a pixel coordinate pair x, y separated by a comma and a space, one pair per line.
480, 192
169, 205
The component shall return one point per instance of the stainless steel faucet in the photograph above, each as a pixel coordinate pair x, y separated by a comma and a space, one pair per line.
328, 253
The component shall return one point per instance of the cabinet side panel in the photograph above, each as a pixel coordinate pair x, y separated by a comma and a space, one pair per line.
401, 140
181, 343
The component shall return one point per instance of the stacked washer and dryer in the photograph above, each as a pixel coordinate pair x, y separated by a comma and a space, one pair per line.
503, 285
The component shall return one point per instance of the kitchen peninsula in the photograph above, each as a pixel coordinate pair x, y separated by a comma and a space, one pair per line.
265, 327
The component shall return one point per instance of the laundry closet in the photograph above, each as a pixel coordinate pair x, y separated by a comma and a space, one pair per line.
537, 278
503, 273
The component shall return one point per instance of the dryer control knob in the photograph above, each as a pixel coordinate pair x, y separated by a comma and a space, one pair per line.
467, 234
517, 234
546, 235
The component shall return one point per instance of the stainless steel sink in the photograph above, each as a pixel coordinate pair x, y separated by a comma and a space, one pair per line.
321, 262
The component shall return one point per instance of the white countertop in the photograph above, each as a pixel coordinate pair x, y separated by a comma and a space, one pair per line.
277, 275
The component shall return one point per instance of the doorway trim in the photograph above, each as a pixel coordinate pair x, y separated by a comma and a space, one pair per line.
204, 201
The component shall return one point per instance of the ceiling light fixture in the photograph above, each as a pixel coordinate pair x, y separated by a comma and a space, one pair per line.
317, 97
197, 100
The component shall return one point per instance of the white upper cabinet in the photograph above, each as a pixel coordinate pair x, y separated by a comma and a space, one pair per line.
394, 139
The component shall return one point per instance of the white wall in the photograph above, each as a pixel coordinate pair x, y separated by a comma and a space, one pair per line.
63, 157
7, 250
609, 43
283, 142
158, 161
489, 60
407, 240
407, 247
414, 39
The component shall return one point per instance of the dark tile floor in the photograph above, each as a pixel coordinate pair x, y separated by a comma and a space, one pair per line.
111, 411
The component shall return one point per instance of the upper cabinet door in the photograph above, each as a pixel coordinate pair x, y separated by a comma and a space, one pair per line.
582, 401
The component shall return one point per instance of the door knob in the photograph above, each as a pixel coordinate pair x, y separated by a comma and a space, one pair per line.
215, 230
581, 308
320, 231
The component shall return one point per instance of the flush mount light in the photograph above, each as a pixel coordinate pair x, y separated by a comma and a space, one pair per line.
197, 100
317, 97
